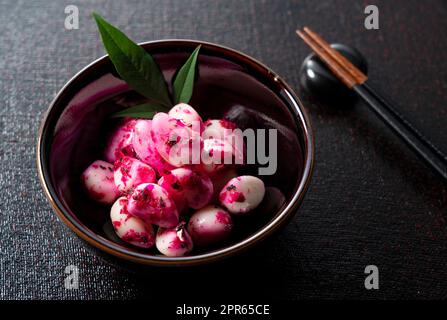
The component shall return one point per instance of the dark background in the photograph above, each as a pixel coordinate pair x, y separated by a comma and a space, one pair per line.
371, 201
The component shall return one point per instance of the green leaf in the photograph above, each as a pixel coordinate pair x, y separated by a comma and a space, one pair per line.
133, 63
184, 80
145, 111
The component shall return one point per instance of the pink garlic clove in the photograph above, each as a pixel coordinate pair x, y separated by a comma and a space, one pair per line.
171, 183
242, 194
174, 242
218, 129
99, 183
189, 187
174, 141
152, 204
188, 115
130, 172
120, 142
145, 148
210, 225
129, 228
221, 129
215, 155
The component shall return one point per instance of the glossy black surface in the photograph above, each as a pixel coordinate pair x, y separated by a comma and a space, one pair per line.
316, 78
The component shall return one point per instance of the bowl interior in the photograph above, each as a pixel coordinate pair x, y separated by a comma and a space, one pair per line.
228, 85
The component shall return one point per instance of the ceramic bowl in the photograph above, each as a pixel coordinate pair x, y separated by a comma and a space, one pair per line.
229, 84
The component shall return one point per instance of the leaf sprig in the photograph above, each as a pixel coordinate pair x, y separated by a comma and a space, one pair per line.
139, 70
184, 81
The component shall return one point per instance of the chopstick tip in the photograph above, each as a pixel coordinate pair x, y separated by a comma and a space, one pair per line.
299, 33
303, 32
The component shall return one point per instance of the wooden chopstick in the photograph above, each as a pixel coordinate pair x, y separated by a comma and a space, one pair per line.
358, 75
332, 64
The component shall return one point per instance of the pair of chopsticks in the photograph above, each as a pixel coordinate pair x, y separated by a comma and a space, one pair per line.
356, 80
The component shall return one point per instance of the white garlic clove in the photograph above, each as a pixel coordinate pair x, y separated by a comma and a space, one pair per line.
129, 228
98, 181
242, 194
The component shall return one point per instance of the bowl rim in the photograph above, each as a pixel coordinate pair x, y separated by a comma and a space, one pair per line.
110, 247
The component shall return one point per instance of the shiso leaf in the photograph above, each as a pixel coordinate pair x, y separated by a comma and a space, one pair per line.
184, 80
135, 66
143, 111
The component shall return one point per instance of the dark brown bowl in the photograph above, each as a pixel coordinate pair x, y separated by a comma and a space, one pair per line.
229, 84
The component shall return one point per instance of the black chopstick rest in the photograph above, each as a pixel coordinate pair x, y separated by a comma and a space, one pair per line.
318, 80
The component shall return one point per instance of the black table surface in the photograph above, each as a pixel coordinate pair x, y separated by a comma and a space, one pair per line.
371, 201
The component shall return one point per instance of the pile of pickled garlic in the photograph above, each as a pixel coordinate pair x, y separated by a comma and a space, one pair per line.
159, 195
